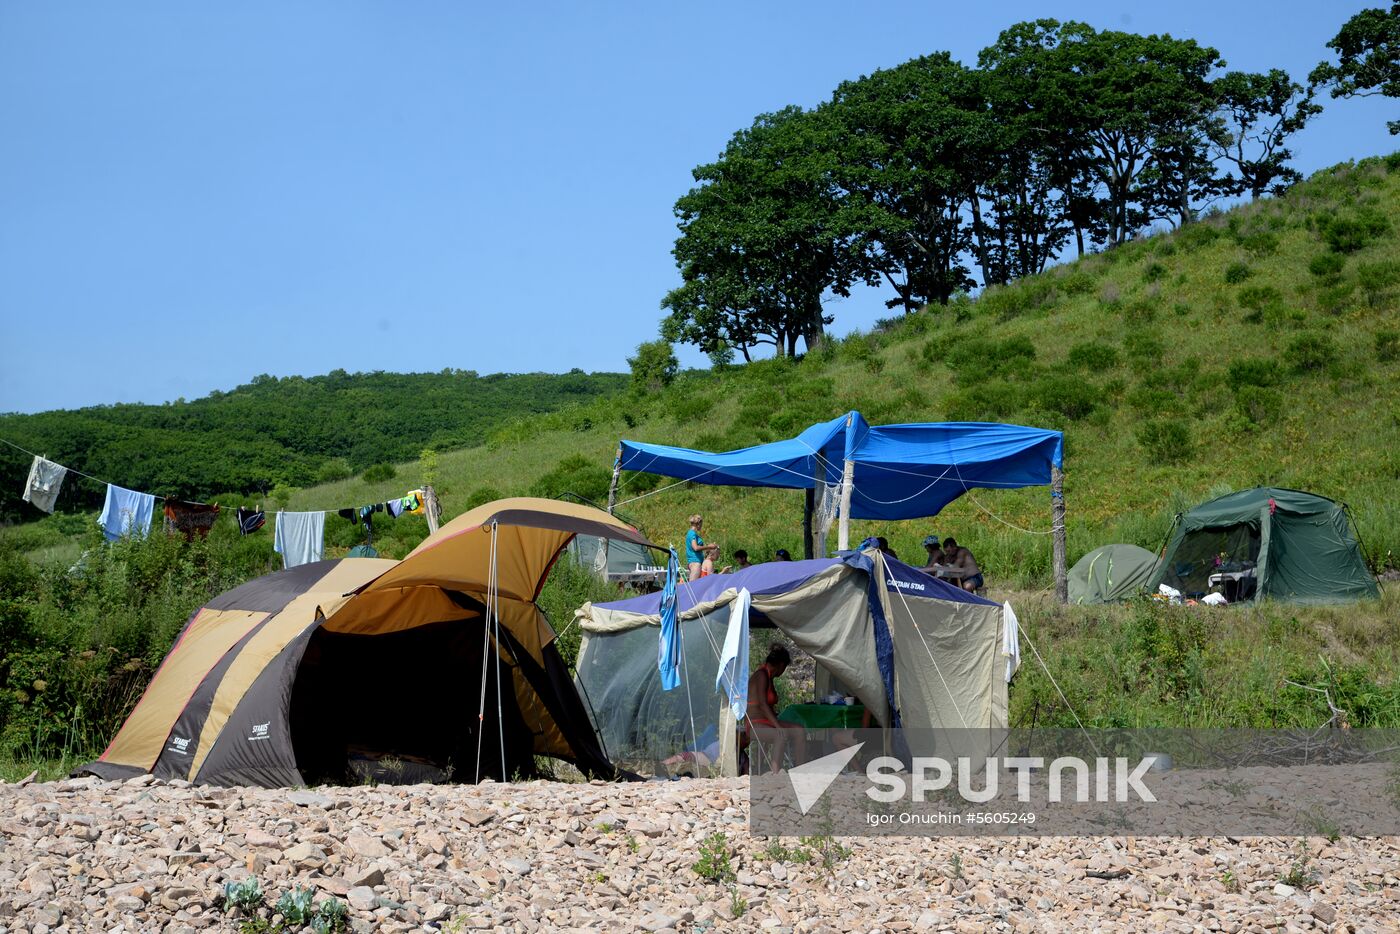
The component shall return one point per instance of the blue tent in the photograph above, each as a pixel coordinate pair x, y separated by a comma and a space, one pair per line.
900, 471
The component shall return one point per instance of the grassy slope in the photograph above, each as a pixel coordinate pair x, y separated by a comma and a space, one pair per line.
1161, 307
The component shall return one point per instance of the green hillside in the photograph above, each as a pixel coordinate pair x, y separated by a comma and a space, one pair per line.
292, 431
1258, 346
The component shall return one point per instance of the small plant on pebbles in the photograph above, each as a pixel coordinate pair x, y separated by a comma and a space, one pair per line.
714, 864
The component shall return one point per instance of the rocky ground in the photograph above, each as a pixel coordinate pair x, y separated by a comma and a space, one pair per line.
82, 855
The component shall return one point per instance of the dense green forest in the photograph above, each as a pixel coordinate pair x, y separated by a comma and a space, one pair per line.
293, 432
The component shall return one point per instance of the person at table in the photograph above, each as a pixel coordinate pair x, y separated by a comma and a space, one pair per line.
782, 555
846, 738
935, 552
957, 556
773, 734
741, 561
699, 555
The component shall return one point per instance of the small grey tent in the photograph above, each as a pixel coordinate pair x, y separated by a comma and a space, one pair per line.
1111, 573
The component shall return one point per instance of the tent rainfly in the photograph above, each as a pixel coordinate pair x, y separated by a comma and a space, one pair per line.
442, 664
1111, 573
862, 471
1277, 544
917, 652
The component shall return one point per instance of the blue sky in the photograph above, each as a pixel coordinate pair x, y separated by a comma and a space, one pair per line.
193, 194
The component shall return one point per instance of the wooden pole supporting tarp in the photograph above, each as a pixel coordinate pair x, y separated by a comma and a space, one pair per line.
1057, 533
808, 499
612, 501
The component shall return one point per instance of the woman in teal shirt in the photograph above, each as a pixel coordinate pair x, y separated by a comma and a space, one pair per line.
699, 557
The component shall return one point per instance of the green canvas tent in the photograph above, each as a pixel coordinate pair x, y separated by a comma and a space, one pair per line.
1111, 573
1267, 543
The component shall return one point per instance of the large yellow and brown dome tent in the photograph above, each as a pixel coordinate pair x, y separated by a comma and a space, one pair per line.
286, 679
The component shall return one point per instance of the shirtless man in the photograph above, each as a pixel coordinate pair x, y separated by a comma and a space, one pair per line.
959, 557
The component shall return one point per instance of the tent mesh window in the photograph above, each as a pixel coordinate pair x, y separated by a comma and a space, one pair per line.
640, 724
1208, 551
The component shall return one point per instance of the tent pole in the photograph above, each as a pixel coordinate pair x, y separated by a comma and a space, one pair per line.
612, 501
808, 498
843, 526
1057, 533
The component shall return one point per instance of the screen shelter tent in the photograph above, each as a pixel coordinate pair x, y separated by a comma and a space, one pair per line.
916, 651
853, 470
1111, 573
439, 666
1267, 543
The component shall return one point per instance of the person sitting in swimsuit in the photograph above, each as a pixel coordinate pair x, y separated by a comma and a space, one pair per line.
699, 556
772, 733
959, 557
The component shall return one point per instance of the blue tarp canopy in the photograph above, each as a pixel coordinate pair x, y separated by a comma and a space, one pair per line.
900, 471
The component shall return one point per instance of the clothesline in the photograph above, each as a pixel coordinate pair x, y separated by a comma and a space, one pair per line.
174, 499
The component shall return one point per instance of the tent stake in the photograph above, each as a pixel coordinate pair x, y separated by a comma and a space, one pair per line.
1057, 534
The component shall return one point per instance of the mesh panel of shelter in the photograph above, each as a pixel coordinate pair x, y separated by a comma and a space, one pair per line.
639, 723
1206, 551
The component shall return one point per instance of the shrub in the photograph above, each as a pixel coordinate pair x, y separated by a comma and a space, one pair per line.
1195, 236
1237, 272
1070, 396
935, 349
1153, 400
1140, 311
1327, 265
481, 496
1153, 272
1093, 356
1076, 282
1264, 302
1354, 230
1377, 279
1336, 299
1260, 244
1259, 405
1387, 345
332, 470
1310, 352
1143, 347
1110, 295
574, 474
1004, 301
977, 359
987, 400
1252, 371
1166, 440
379, 473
